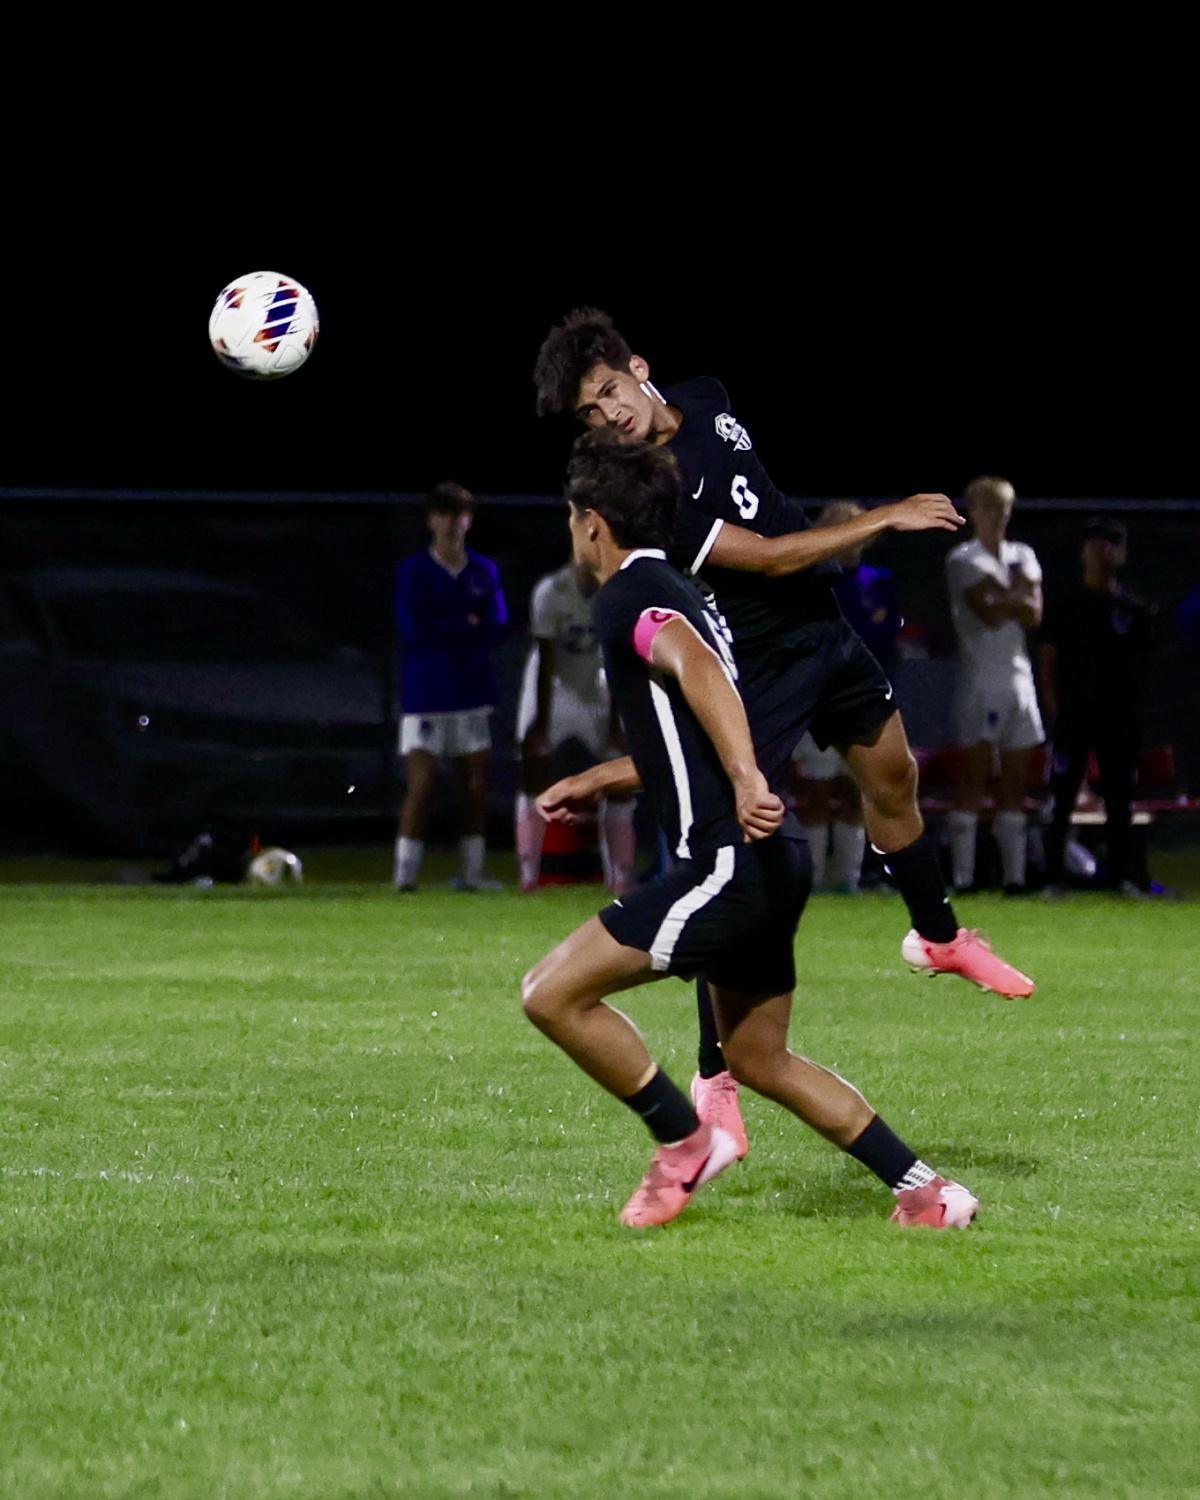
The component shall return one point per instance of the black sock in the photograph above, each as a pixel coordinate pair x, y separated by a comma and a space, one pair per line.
712, 1058
668, 1114
919, 880
882, 1151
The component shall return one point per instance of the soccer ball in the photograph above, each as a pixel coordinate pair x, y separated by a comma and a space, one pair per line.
263, 325
275, 867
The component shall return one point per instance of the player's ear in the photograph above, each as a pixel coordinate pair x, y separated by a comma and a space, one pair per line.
639, 369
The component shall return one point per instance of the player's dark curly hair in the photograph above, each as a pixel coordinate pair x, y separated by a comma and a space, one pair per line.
634, 486
584, 338
449, 499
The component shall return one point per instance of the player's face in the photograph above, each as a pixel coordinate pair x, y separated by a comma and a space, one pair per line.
585, 552
1108, 557
990, 519
449, 528
615, 398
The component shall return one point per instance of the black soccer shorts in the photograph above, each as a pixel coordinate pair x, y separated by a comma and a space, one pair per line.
823, 679
729, 917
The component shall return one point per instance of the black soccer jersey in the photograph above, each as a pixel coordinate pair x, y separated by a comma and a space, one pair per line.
724, 480
678, 763
1104, 640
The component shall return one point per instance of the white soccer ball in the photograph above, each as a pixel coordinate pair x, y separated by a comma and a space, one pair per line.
263, 325
275, 867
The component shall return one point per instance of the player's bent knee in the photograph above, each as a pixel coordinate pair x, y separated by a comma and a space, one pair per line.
906, 777
894, 788
543, 997
753, 1067
534, 995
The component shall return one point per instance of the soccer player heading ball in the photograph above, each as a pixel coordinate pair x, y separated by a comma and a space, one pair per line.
729, 907
801, 665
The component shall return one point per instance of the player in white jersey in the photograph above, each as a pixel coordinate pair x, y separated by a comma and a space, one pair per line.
995, 596
564, 697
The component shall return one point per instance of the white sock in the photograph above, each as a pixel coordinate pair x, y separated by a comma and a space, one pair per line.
406, 867
849, 845
618, 844
531, 834
917, 1176
963, 827
1010, 835
470, 853
818, 843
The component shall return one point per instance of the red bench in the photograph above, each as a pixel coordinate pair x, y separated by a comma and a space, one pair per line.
1159, 791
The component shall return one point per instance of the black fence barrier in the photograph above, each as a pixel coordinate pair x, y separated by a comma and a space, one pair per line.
167, 658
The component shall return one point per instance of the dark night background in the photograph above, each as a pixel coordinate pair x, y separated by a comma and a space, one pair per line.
880, 329
884, 323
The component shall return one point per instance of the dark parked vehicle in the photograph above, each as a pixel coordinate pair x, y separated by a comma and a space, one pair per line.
138, 704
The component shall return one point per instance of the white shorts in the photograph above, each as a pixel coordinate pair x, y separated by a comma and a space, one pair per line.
571, 717
1003, 713
447, 734
818, 765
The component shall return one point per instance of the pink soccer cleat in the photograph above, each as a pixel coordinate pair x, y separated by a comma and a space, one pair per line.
969, 955
675, 1174
940, 1204
716, 1101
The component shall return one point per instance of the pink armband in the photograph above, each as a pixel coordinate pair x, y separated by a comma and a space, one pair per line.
650, 622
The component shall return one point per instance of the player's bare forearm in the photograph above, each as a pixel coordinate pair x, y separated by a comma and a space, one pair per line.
679, 651
992, 602
567, 799
1026, 598
611, 777
777, 556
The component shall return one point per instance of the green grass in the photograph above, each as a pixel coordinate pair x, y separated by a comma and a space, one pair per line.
294, 1203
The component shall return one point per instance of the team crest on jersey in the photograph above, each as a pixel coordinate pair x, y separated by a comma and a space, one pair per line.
733, 432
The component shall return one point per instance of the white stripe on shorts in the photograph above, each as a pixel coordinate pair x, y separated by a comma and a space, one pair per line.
687, 906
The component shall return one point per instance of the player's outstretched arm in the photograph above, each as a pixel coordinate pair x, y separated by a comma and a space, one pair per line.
747, 552
679, 651
567, 800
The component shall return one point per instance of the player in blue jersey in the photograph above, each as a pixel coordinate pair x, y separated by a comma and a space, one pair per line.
729, 906
450, 612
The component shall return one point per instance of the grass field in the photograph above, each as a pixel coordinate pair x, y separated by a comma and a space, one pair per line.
294, 1203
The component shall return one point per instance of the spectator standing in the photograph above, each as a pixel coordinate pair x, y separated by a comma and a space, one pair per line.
1095, 647
995, 597
450, 612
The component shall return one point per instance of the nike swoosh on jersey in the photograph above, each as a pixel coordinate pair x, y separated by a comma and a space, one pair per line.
696, 496
690, 1187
